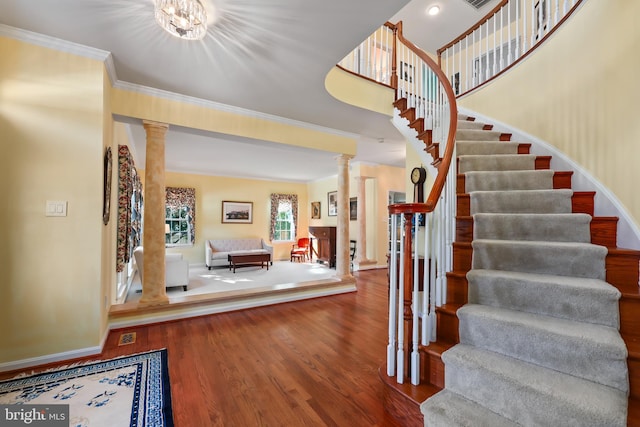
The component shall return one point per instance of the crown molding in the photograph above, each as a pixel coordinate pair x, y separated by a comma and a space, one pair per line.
199, 102
107, 58
54, 43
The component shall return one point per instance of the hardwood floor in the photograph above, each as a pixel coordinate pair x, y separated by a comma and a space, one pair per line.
305, 363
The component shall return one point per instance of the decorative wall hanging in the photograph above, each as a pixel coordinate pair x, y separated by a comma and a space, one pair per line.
106, 193
129, 231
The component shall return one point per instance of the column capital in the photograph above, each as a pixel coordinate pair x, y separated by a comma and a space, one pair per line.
154, 124
344, 157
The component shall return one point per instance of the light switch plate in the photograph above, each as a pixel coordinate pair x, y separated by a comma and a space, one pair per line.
56, 208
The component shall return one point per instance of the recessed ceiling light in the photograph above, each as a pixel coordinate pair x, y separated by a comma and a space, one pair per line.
433, 10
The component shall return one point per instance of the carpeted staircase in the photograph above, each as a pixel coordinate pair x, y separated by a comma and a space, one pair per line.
539, 336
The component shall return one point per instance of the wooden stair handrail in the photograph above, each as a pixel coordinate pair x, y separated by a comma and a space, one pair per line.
443, 166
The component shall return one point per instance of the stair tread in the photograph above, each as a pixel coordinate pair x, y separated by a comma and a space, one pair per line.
597, 334
447, 408
559, 386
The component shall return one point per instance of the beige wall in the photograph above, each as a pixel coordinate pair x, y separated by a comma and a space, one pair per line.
52, 129
579, 92
386, 178
212, 190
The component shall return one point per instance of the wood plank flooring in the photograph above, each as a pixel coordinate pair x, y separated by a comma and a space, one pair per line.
305, 363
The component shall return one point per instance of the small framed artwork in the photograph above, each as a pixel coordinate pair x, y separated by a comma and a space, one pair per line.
237, 212
315, 210
353, 208
332, 203
541, 18
406, 72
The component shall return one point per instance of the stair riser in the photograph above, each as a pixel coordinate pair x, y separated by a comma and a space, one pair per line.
604, 230
561, 179
448, 330
540, 163
435, 370
456, 289
577, 356
629, 317
481, 135
581, 202
622, 270
634, 377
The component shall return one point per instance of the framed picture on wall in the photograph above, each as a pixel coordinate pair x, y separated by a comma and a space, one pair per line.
237, 212
315, 210
332, 203
406, 72
353, 208
541, 19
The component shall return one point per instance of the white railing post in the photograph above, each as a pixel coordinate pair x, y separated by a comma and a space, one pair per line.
415, 315
426, 282
393, 293
400, 313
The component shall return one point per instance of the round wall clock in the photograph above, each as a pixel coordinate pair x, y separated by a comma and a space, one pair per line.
108, 166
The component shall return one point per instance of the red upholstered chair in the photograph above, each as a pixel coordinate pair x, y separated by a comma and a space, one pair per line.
300, 249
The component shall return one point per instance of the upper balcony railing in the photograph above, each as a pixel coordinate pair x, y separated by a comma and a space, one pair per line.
502, 38
373, 58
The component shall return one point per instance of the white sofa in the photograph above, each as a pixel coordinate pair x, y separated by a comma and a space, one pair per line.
176, 268
216, 251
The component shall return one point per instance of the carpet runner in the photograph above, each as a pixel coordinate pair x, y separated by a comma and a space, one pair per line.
539, 336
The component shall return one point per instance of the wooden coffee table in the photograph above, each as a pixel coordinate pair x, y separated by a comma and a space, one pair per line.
248, 259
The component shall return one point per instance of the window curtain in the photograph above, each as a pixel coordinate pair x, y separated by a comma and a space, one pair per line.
179, 197
129, 229
276, 198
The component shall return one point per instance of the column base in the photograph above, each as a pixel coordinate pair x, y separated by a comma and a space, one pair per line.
365, 264
153, 300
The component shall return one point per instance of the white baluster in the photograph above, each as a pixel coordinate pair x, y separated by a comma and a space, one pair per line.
501, 38
466, 58
524, 27
475, 68
495, 52
426, 327
415, 355
487, 53
400, 314
509, 56
433, 318
393, 293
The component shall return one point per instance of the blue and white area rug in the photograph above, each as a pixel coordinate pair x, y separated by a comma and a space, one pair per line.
125, 391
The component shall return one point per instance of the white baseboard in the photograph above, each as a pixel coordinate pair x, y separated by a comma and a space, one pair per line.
226, 306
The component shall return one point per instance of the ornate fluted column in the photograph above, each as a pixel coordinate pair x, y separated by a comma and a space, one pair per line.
153, 284
361, 248
342, 231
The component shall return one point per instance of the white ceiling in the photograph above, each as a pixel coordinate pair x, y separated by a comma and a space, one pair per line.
266, 56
